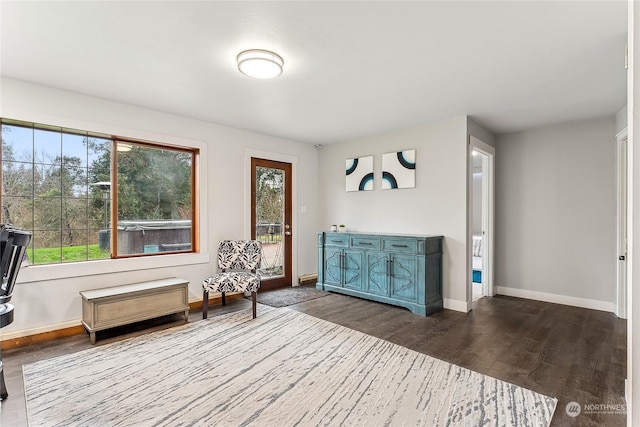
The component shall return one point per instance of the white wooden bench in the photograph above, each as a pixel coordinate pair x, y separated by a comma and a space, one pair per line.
121, 305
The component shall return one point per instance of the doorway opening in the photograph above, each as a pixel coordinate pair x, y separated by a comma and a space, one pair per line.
271, 209
481, 224
479, 177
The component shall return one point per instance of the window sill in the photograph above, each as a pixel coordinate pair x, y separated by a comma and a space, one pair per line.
91, 268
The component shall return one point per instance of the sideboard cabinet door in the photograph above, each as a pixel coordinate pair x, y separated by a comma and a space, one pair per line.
343, 267
378, 273
404, 280
333, 266
352, 268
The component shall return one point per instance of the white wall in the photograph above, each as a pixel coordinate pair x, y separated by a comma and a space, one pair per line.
556, 214
633, 269
437, 205
46, 297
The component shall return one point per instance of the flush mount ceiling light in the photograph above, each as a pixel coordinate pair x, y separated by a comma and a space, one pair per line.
260, 64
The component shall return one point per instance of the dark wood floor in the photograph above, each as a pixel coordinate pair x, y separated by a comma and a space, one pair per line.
570, 353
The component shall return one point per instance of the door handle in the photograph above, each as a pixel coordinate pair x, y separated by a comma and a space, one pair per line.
622, 258
288, 233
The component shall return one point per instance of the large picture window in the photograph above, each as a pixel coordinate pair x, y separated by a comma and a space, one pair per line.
82, 194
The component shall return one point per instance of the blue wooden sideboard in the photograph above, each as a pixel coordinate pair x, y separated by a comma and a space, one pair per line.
403, 270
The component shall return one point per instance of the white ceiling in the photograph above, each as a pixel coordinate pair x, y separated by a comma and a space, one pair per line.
352, 69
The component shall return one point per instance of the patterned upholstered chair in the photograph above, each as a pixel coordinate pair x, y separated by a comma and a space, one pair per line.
238, 261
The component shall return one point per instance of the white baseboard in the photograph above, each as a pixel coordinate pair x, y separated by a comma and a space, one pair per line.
557, 299
454, 304
40, 330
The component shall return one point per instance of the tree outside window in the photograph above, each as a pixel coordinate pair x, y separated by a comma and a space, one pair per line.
56, 183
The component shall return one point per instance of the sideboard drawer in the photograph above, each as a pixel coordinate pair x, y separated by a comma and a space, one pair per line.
409, 246
336, 240
365, 242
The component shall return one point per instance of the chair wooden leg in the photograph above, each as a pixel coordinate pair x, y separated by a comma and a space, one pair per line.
224, 301
205, 304
254, 301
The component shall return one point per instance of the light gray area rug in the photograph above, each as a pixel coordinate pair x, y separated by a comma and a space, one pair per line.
283, 369
290, 296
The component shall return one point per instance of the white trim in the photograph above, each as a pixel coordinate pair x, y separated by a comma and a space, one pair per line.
456, 305
557, 299
278, 157
269, 155
622, 134
488, 220
622, 220
633, 270
40, 273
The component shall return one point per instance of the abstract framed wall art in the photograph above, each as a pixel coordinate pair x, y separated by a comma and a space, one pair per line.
399, 170
359, 174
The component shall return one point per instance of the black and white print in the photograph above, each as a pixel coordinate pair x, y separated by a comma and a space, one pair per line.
399, 170
359, 174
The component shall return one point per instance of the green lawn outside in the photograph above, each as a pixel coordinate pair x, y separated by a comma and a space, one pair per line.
69, 254
269, 238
